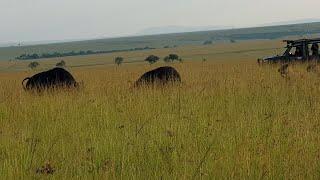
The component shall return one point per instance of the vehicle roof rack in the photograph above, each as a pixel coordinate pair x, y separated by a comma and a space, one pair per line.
299, 41
303, 40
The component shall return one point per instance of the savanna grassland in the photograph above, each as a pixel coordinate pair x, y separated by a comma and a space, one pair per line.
230, 118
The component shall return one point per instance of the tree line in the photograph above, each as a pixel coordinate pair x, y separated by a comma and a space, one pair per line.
153, 59
119, 60
73, 53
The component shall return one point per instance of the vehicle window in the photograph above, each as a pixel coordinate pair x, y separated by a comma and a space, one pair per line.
295, 51
310, 49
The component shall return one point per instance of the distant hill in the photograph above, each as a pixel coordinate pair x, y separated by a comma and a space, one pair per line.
166, 40
180, 29
38, 42
300, 21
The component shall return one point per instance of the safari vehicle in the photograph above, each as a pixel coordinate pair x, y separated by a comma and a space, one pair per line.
296, 50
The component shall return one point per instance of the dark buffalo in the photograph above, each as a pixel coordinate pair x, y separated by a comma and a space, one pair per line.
54, 78
162, 76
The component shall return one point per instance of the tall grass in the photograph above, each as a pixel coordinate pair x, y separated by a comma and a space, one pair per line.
226, 120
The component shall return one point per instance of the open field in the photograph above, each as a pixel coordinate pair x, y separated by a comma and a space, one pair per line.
228, 119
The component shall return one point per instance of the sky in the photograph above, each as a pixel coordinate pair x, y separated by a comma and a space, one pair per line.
41, 20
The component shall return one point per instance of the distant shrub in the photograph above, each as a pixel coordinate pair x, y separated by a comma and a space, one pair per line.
204, 59
166, 47
152, 59
118, 60
232, 41
208, 42
33, 65
172, 57
62, 63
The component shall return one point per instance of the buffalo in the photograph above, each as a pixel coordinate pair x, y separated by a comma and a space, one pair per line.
54, 78
159, 76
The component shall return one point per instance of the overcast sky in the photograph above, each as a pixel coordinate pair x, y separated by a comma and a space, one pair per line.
38, 20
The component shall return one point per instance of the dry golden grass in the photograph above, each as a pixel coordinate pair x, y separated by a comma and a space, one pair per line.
227, 120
